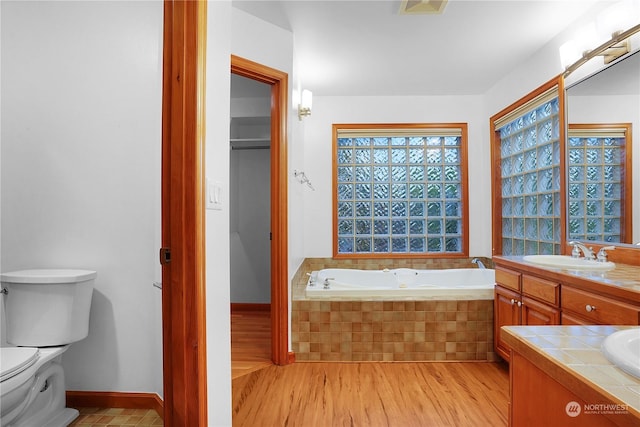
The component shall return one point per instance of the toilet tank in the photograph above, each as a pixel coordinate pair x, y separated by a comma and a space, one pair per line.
47, 307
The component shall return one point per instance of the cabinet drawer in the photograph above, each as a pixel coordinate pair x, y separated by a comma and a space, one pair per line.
568, 319
541, 289
508, 278
598, 309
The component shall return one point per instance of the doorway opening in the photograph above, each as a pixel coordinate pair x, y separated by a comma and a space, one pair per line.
277, 89
250, 224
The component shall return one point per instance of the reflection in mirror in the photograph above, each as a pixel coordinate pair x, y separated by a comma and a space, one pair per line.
599, 176
602, 189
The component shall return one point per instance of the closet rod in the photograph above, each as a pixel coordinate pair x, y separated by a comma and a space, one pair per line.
257, 147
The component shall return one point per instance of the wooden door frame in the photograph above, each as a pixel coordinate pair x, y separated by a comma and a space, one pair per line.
278, 81
183, 277
183, 292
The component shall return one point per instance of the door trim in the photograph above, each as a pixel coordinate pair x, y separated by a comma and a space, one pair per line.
279, 229
183, 277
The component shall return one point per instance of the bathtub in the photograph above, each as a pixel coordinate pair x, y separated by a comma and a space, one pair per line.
449, 284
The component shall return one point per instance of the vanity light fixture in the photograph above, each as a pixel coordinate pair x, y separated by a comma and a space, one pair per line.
304, 107
611, 50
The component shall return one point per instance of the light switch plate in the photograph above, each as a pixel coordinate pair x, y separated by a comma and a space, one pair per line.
214, 195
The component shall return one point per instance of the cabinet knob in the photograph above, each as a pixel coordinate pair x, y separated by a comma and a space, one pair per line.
513, 301
590, 308
519, 303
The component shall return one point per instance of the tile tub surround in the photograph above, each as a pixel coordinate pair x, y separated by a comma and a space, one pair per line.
390, 330
573, 353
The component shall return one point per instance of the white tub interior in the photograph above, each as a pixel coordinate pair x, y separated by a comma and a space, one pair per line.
405, 283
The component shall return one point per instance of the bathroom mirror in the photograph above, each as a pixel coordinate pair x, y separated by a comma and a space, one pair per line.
603, 148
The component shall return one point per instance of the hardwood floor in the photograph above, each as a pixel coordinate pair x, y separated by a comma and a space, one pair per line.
250, 341
373, 394
369, 394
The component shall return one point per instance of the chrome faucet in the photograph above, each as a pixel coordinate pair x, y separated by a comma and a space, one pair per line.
577, 247
312, 278
478, 263
602, 253
326, 282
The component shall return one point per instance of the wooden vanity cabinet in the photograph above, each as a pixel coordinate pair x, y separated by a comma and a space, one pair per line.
522, 299
529, 406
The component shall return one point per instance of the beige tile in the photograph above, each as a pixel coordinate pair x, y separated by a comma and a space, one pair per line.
591, 357
612, 375
564, 342
627, 394
117, 417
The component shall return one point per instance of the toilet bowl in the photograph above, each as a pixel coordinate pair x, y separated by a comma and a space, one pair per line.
33, 394
45, 311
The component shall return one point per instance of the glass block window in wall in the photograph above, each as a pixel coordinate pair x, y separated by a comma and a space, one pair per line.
530, 179
596, 182
400, 190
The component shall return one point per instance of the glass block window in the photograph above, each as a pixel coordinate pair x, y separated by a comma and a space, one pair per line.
400, 190
596, 189
529, 144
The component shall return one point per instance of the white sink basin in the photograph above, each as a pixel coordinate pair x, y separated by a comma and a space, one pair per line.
565, 261
622, 348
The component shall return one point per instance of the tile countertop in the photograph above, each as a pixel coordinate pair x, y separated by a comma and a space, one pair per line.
624, 279
572, 356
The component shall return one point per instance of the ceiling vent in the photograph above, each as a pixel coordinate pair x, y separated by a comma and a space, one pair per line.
418, 7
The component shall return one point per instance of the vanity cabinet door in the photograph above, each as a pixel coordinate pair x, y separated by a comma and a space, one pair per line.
506, 312
535, 313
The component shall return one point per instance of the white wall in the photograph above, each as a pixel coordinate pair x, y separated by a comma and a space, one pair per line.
81, 140
217, 222
399, 109
541, 67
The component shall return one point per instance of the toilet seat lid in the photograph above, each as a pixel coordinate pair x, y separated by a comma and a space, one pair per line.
14, 360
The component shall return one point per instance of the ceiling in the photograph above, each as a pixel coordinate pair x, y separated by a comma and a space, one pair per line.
364, 47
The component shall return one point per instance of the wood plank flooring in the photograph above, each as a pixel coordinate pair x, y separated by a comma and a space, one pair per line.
250, 341
373, 394
369, 394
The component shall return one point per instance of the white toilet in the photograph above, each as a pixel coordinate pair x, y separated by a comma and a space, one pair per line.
45, 311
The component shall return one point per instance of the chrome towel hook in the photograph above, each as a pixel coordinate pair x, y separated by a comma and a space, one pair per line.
302, 179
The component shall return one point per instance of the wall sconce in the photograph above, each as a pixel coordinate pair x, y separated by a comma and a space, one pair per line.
304, 107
